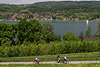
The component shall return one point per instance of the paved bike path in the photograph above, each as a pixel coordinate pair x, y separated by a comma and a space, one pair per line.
71, 62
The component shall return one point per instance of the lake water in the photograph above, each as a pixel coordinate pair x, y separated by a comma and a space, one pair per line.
61, 27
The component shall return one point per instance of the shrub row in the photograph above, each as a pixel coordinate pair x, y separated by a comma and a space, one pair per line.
62, 47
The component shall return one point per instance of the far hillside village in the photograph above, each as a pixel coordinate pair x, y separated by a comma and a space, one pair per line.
64, 10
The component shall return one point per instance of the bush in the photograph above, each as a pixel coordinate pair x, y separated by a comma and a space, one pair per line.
57, 47
70, 36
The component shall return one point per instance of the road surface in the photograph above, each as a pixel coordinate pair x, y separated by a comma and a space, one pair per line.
72, 62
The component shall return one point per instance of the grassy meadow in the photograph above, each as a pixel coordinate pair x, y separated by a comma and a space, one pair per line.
54, 65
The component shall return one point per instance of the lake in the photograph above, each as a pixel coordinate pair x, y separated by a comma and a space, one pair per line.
61, 27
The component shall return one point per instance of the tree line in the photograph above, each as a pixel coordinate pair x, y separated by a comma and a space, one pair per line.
27, 38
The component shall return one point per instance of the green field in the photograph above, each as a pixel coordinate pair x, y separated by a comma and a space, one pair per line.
54, 65
72, 57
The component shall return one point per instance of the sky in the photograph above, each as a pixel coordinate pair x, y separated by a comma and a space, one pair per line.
32, 1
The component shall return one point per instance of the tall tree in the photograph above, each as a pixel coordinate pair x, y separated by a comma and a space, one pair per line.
28, 31
88, 32
98, 30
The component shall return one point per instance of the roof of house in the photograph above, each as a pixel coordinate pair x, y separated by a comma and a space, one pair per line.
91, 38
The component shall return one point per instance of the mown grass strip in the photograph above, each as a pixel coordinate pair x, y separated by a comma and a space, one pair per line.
72, 57
53, 65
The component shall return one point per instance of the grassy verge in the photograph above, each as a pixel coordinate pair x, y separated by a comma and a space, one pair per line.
73, 57
54, 65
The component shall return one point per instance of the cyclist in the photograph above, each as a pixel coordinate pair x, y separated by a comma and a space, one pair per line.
37, 60
58, 59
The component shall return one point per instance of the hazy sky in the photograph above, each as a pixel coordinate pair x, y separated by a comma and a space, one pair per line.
32, 1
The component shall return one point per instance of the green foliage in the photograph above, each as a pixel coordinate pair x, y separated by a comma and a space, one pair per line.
26, 32
47, 26
30, 38
49, 36
70, 36
62, 47
88, 32
98, 30
81, 36
5, 41
7, 33
29, 31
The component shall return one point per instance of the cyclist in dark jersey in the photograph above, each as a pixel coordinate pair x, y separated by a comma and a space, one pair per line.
58, 59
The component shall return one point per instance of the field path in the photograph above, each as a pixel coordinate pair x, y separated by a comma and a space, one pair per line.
72, 62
